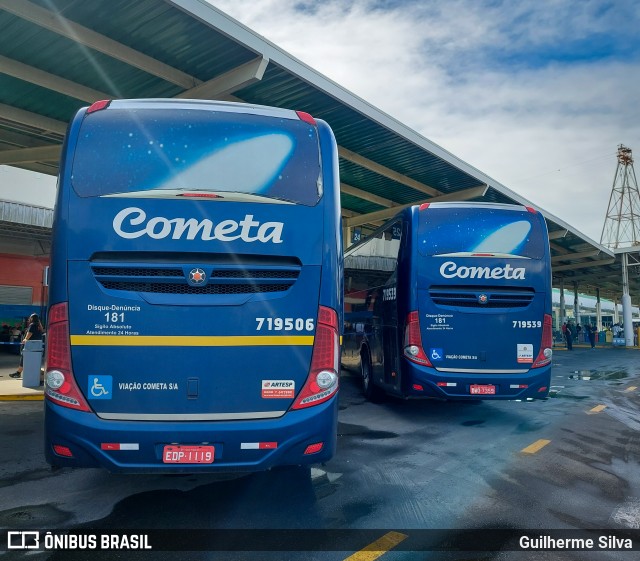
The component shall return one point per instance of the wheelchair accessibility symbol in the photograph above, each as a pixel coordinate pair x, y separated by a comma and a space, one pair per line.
100, 387
436, 354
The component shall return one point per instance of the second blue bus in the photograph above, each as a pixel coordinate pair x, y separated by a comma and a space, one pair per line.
451, 301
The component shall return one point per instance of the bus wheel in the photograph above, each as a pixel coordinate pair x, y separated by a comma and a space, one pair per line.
370, 390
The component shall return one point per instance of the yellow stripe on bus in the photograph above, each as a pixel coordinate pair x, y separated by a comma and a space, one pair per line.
191, 341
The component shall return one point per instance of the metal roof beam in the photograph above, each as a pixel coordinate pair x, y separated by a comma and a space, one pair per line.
89, 38
386, 172
14, 139
366, 196
558, 234
572, 256
558, 248
34, 120
229, 82
49, 81
46, 169
599, 279
584, 265
29, 155
463, 195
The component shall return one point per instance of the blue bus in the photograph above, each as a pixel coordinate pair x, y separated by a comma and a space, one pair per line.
196, 289
451, 301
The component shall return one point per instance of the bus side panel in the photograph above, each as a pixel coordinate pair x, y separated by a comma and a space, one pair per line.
332, 283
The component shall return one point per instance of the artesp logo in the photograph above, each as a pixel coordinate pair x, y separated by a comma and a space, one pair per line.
278, 384
278, 389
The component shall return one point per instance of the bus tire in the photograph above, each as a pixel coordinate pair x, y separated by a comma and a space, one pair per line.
369, 389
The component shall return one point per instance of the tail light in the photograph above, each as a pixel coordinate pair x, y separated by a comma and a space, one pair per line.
313, 448
63, 451
322, 382
61, 387
306, 118
413, 341
546, 351
98, 105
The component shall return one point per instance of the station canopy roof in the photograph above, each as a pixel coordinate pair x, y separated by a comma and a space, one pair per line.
59, 55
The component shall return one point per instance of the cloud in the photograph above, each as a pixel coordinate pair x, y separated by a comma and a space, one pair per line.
537, 95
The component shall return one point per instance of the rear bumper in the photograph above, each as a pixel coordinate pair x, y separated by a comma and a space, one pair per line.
533, 384
237, 443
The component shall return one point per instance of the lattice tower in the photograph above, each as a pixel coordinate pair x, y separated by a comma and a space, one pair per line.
622, 223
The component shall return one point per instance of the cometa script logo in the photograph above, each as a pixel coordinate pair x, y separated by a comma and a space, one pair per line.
132, 223
450, 270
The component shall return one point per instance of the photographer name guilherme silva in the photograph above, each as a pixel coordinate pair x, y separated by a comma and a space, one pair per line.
545, 542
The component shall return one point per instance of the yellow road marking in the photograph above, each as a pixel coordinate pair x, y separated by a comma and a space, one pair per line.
536, 446
631, 389
597, 409
35, 397
378, 547
191, 341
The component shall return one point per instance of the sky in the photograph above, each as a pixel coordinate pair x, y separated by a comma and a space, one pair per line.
536, 94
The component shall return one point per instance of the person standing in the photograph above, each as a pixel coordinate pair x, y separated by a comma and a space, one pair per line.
592, 335
34, 333
568, 334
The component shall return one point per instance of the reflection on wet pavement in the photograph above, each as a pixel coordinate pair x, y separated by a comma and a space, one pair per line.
598, 375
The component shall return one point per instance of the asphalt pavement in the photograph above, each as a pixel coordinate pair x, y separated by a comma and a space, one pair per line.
402, 468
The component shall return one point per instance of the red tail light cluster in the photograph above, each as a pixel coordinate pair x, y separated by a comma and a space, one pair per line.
98, 105
306, 118
322, 382
413, 341
61, 387
546, 351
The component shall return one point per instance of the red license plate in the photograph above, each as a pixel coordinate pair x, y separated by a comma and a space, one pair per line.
176, 454
477, 389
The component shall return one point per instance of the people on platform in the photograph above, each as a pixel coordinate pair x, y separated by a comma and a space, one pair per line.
34, 332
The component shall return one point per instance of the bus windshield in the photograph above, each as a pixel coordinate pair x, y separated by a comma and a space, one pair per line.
222, 155
477, 232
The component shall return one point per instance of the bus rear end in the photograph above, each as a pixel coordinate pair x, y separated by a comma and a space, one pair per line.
481, 325
194, 316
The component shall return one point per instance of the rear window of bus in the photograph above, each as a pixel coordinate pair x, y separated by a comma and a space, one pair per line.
468, 231
123, 151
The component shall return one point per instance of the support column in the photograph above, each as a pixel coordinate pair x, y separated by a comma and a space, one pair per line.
626, 303
598, 311
576, 303
346, 237
563, 311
